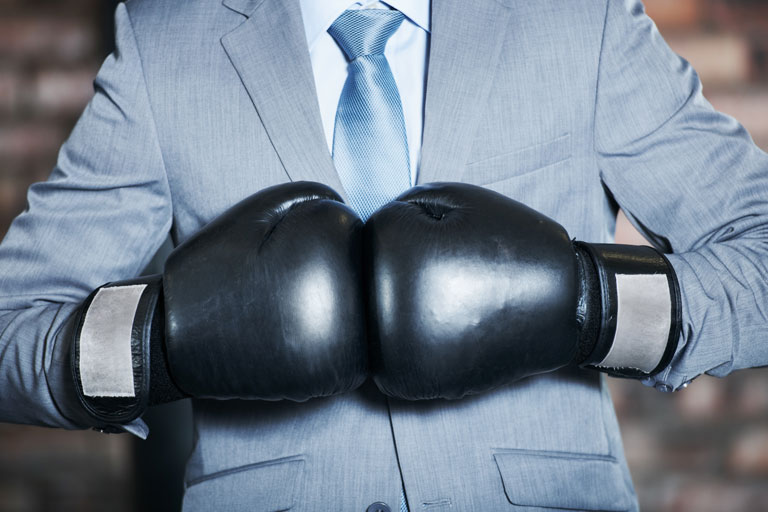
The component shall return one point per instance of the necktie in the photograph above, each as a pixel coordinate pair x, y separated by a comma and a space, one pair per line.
370, 148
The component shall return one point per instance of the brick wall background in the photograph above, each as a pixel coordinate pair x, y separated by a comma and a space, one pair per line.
702, 449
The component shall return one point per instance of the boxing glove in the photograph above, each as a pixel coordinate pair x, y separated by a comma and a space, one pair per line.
470, 290
265, 302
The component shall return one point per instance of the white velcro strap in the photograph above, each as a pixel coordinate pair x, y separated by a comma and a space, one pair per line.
642, 324
106, 367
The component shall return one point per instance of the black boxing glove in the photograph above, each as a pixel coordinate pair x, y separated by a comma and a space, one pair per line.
265, 302
470, 290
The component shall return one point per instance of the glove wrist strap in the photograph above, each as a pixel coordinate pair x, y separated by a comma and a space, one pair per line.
629, 309
116, 372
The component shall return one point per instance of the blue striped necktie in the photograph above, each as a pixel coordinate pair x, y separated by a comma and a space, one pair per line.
370, 147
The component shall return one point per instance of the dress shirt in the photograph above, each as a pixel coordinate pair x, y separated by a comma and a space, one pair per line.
406, 52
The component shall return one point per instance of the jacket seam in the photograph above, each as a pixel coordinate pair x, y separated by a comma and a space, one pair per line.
152, 116
597, 80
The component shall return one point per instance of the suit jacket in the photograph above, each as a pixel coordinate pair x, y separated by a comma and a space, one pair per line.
571, 106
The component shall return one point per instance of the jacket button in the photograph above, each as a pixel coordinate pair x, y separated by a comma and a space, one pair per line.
378, 507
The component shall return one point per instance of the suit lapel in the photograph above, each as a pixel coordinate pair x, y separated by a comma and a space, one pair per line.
465, 44
269, 52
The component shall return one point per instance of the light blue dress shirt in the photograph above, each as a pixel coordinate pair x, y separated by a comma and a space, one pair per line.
406, 52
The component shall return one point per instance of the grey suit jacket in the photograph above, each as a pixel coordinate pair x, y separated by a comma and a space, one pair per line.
571, 106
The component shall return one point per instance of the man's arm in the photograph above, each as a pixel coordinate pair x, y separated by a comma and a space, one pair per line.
100, 217
694, 183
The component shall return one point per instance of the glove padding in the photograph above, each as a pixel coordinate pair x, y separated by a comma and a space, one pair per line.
469, 290
265, 302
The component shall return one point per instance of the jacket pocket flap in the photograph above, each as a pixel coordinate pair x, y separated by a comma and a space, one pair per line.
563, 480
262, 487
518, 162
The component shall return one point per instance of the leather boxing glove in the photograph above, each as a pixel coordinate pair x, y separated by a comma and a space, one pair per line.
470, 290
265, 302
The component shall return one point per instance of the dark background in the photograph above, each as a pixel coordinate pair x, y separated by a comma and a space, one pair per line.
702, 449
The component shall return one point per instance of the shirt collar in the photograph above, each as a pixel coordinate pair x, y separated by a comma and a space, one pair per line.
320, 14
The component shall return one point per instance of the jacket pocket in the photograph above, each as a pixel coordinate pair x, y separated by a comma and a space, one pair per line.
268, 486
564, 480
518, 162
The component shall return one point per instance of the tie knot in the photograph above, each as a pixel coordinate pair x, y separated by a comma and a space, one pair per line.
365, 31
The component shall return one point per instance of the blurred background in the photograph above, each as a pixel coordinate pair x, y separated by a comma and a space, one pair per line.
702, 449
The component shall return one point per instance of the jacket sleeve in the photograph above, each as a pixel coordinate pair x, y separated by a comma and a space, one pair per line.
100, 217
691, 179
